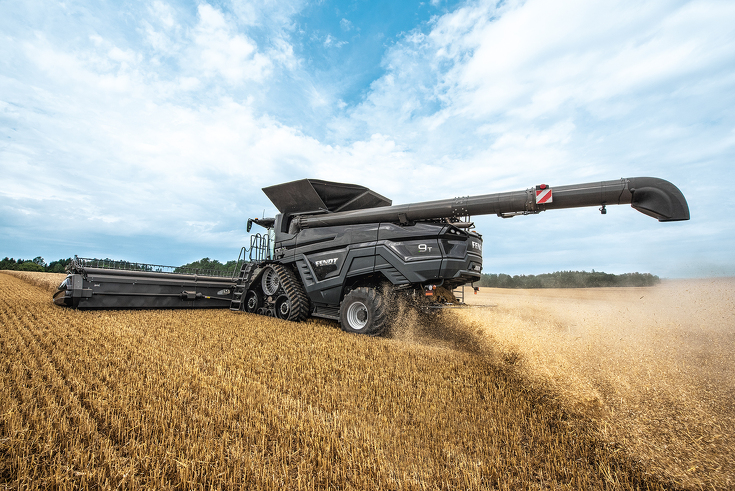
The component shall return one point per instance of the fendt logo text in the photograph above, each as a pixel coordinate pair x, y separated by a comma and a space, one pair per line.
477, 245
326, 262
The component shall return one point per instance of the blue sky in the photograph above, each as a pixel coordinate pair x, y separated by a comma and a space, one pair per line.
146, 130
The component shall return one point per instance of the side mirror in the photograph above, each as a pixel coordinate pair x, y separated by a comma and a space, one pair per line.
250, 224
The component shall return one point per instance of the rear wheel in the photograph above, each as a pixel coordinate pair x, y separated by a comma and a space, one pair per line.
364, 311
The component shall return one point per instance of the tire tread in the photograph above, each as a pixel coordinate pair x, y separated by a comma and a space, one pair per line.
376, 303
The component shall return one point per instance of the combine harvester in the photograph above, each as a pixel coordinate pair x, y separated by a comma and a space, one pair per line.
339, 251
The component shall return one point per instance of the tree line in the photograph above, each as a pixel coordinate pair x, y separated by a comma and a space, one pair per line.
569, 279
206, 264
36, 264
39, 264
558, 279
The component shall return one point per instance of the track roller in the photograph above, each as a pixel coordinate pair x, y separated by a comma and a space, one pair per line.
278, 294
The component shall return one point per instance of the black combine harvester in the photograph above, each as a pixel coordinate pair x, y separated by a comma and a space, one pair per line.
340, 251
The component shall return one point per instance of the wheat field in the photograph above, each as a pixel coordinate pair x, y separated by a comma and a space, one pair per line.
653, 368
213, 399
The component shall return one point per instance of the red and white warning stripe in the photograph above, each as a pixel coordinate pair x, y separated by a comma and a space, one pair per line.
543, 194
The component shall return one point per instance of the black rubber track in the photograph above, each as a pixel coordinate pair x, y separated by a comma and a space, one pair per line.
295, 292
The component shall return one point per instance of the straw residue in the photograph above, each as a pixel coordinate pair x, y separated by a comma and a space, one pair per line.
653, 367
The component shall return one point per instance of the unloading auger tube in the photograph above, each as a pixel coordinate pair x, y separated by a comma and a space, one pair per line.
651, 196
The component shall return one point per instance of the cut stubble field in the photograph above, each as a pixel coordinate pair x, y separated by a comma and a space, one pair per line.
652, 368
210, 398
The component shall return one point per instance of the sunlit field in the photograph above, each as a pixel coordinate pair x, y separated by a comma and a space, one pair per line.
215, 399
653, 368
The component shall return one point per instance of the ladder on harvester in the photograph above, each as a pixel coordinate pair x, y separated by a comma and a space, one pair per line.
243, 281
260, 250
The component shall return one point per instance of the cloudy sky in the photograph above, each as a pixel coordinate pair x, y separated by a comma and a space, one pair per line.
146, 130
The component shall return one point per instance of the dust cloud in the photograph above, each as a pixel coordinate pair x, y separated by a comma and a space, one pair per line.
653, 368
437, 329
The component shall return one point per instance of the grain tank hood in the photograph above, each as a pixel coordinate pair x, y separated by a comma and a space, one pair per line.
317, 196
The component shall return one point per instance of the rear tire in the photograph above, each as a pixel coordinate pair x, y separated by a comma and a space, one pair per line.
364, 311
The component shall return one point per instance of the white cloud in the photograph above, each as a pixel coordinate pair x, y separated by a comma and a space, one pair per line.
274, 15
162, 29
537, 56
164, 13
537, 64
223, 51
329, 41
282, 53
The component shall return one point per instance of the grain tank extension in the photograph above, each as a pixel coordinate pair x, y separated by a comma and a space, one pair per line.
341, 251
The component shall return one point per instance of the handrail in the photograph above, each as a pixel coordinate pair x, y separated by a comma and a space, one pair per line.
260, 247
240, 260
79, 263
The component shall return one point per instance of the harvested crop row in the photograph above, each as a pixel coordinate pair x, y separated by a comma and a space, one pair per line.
652, 366
64, 437
210, 398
